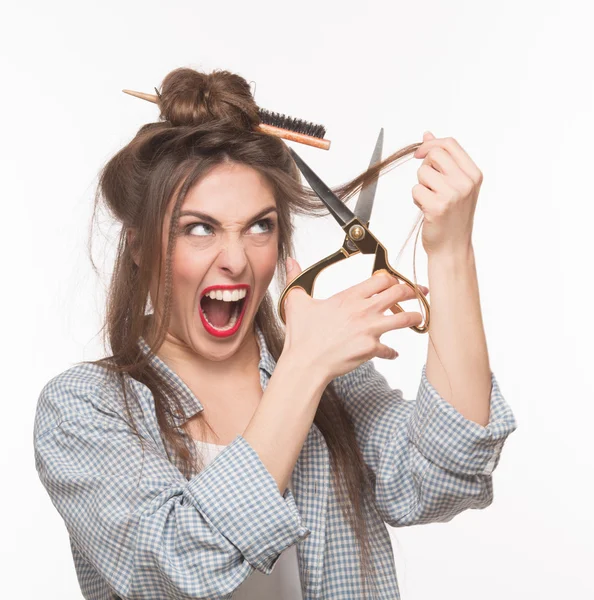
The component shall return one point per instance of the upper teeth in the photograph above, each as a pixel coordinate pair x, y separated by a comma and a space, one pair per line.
227, 295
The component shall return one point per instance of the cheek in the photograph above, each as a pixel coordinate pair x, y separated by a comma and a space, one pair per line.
264, 261
187, 267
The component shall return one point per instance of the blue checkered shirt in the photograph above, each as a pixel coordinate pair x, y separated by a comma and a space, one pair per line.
139, 529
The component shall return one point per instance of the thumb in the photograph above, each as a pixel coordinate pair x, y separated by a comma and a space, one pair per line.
293, 268
421, 151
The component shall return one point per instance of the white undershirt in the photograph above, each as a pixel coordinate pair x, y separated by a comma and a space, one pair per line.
283, 582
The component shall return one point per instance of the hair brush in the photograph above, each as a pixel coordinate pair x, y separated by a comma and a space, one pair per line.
272, 123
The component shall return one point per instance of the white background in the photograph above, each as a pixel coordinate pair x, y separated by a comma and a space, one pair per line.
510, 80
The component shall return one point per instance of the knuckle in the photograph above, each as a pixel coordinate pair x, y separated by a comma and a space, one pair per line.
408, 292
385, 278
453, 196
466, 186
366, 348
358, 313
410, 318
354, 313
339, 299
399, 291
440, 209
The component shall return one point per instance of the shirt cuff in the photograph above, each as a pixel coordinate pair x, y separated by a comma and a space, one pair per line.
240, 498
451, 441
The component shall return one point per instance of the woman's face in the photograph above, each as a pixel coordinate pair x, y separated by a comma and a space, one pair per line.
227, 240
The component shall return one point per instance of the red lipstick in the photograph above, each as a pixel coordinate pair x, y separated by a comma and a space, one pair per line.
227, 332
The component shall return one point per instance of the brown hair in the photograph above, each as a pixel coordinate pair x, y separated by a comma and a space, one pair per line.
207, 119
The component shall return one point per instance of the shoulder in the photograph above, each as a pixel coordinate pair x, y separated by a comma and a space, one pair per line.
78, 392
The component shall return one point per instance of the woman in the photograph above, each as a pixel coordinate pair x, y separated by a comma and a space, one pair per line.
211, 445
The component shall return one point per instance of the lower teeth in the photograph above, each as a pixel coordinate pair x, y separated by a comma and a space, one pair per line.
229, 325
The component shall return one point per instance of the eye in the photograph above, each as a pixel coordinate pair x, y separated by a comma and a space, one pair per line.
193, 226
268, 223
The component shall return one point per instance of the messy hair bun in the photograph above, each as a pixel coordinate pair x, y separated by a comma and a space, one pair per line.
189, 97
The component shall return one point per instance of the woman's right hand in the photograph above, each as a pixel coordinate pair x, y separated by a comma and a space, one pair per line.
337, 334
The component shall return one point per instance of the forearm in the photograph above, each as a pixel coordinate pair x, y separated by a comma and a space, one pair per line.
280, 424
456, 329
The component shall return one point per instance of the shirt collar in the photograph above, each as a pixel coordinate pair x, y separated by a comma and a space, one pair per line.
189, 402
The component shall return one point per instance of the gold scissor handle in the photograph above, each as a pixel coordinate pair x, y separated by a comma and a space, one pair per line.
306, 279
366, 243
381, 264
369, 244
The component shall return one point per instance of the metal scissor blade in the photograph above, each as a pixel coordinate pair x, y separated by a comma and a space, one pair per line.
364, 204
338, 209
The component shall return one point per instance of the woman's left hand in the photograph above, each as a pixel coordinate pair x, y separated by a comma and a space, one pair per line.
448, 188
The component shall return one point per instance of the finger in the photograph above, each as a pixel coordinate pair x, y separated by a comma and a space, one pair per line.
432, 179
456, 152
393, 295
427, 135
386, 352
393, 321
440, 173
292, 267
400, 320
442, 161
293, 270
426, 199
378, 282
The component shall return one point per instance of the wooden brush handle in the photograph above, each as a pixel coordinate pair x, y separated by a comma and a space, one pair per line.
286, 134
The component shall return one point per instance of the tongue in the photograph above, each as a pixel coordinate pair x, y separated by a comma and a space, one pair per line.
217, 311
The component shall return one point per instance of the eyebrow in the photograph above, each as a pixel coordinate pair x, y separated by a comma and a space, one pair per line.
213, 221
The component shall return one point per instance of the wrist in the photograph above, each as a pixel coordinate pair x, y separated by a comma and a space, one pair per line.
304, 369
453, 257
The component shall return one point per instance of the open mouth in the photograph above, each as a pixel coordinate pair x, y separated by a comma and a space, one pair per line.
221, 311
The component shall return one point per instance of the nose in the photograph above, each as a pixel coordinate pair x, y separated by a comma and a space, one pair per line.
232, 257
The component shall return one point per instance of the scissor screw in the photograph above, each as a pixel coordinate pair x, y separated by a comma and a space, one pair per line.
357, 232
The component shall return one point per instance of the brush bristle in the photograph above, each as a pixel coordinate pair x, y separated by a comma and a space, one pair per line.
298, 125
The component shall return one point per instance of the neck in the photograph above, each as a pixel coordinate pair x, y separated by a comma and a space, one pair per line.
182, 359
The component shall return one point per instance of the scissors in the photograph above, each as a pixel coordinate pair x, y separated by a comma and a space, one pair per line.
358, 238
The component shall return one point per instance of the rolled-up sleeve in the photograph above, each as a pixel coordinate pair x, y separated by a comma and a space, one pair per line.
427, 461
451, 441
146, 529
